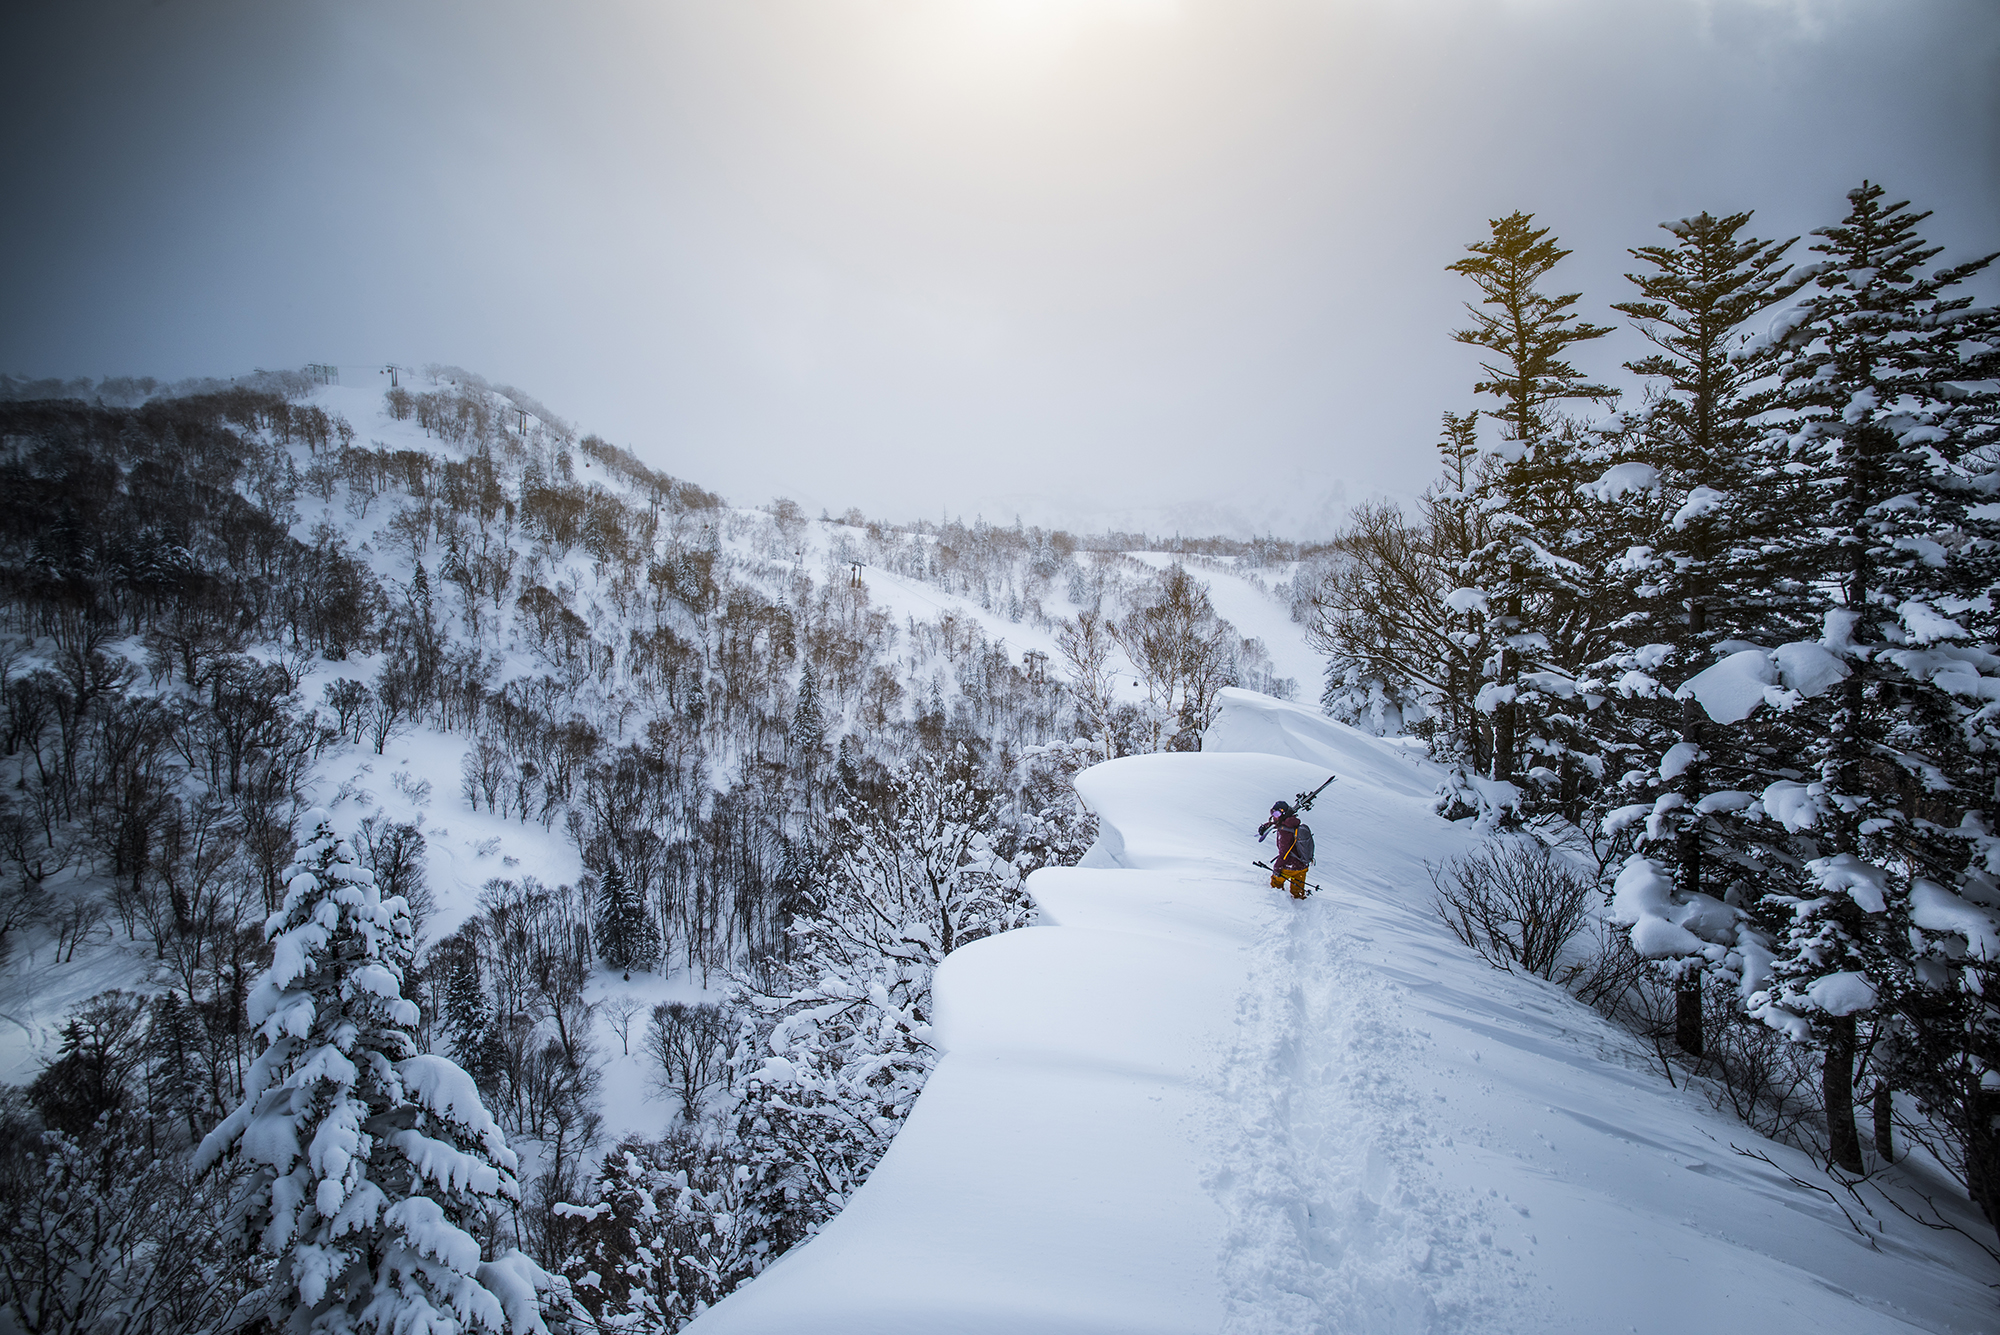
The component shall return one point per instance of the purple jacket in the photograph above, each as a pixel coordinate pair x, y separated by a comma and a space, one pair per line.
1287, 825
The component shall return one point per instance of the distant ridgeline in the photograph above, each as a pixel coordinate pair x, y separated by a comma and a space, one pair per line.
801, 760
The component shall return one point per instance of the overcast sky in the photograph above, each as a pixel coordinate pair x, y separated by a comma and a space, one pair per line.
1172, 262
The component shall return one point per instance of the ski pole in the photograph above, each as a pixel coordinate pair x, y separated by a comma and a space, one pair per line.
1274, 871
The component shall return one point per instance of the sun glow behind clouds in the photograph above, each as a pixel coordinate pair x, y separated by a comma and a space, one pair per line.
905, 253
997, 46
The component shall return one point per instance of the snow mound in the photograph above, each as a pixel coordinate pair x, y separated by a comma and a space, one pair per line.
1248, 721
1731, 690
1186, 1103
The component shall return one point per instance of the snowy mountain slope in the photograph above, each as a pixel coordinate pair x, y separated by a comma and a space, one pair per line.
1183, 1102
1188, 1104
1256, 615
417, 778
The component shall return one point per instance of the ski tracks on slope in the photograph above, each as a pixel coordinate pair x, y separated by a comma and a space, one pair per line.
1337, 1221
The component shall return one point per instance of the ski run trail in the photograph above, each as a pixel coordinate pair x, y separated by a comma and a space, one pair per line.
1185, 1103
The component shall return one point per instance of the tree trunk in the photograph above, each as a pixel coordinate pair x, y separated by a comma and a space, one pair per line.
1885, 1128
1687, 1014
1503, 714
1982, 1154
1837, 1090
1687, 851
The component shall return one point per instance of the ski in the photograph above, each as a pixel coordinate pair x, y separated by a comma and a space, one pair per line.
1304, 801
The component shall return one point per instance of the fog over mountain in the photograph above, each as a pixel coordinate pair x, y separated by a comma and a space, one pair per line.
964, 256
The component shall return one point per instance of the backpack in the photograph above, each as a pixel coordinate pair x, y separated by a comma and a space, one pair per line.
1302, 844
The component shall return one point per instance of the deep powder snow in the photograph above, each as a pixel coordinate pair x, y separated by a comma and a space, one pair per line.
1186, 1103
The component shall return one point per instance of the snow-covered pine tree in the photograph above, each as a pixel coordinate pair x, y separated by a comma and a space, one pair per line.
808, 733
173, 1080
464, 1027
682, 577
627, 936
370, 1165
1943, 1044
807, 739
1534, 595
795, 871
847, 774
1945, 1048
1690, 574
1457, 529
425, 635
1891, 427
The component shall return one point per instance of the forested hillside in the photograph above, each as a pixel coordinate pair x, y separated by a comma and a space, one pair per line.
1736, 644
683, 802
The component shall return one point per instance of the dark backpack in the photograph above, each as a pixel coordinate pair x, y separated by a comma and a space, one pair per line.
1302, 844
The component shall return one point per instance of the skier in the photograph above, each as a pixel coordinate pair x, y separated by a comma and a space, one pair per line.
1288, 869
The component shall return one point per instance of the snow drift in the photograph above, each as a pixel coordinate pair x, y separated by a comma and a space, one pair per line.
1185, 1103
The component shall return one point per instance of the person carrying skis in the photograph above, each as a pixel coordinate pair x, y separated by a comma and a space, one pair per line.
1288, 869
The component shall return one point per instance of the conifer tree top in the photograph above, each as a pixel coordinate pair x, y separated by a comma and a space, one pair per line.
1529, 330
372, 1165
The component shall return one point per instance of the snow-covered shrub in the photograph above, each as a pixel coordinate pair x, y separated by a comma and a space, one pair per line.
837, 1045
1609, 975
370, 1166
1744, 1067
1515, 903
1055, 828
666, 1238
107, 1230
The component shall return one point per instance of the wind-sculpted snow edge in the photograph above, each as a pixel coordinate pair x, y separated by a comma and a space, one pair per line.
1051, 1177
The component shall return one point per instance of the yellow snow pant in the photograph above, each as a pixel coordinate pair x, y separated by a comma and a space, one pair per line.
1293, 879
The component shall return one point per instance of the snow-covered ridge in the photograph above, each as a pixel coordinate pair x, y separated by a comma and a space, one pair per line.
1049, 1178
1187, 1104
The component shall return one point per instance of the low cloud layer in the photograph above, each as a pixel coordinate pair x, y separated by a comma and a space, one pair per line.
1166, 262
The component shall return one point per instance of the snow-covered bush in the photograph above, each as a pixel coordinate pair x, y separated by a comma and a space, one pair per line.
1055, 828
1515, 903
666, 1239
836, 1050
371, 1167
105, 1228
